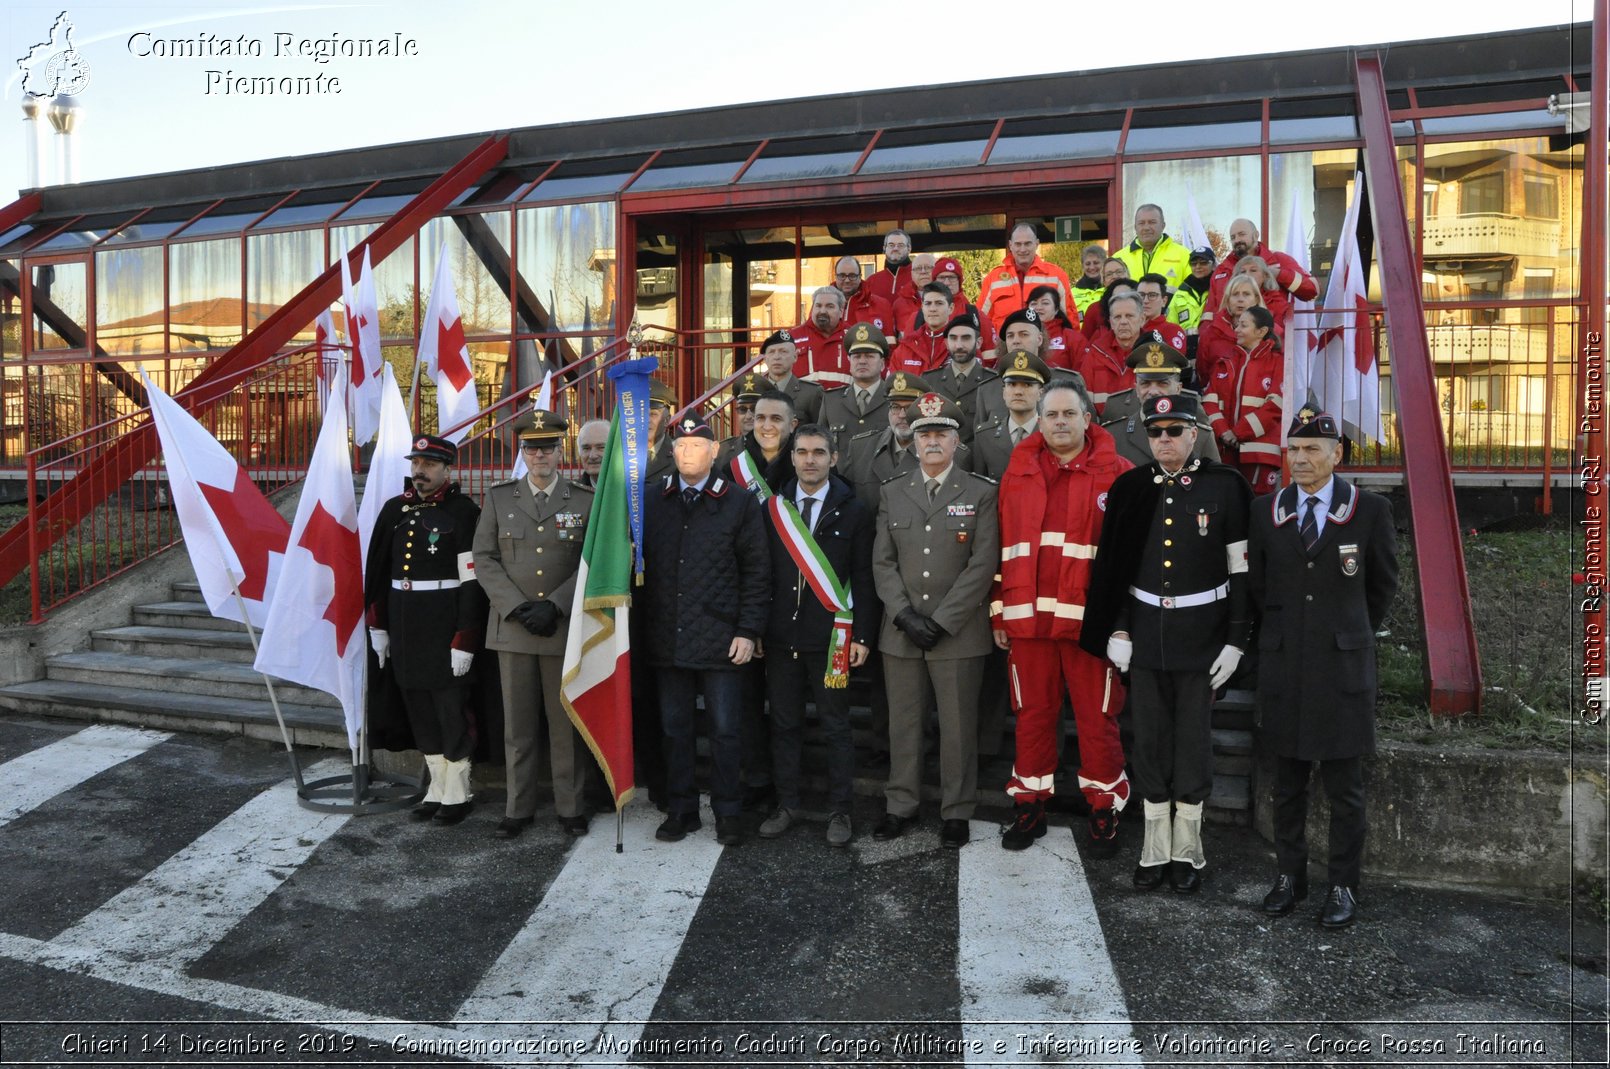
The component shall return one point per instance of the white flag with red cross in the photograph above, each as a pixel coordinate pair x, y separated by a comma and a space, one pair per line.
315, 632
362, 309
445, 357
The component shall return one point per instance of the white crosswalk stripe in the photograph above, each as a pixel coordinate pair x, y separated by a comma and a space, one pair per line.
40, 775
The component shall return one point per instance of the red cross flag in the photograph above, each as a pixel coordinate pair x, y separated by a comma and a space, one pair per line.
363, 334
314, 633
235, 538
445, 357
389, 467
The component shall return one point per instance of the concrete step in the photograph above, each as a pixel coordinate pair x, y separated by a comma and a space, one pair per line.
188, 614
154, 641
309, 725
190, 591
178, 675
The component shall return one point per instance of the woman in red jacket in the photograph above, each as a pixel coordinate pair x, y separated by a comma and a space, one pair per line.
1244, 400
1064, 345
1277, 300
1215, 339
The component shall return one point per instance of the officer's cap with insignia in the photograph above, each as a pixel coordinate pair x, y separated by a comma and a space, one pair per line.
1156, 359
777, 337
541, 425
1183, 407
904, 386
937, 410
1023, 315
865, 338
749, 388
430, 447
692, 426
1020, 365
967, 319
1310, 422
660, 393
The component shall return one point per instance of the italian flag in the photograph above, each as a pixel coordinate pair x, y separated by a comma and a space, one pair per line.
597, 684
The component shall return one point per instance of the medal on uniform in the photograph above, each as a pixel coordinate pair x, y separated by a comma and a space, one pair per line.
1202, 523
435, 535
1349, 555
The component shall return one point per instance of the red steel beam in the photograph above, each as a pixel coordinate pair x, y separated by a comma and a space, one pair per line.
1590, 380
103, 476
1452, 669
19, 211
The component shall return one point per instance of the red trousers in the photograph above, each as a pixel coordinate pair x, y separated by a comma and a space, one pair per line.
1041, 671
1265, 478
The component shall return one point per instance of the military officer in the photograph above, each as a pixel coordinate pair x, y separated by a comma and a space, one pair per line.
427, 616
661, 403
744, 395
779, 353
527, 549
1169, 604
1023, 374
1323, 568
934, 559
964, 379
1159, 370
876, 457
864, 404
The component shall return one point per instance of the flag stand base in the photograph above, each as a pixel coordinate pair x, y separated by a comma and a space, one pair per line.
361, 792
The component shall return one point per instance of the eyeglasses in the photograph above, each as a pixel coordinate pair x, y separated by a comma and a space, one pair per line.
1173, 430
539, 447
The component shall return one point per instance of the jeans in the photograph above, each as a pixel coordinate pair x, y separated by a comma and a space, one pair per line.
723, 691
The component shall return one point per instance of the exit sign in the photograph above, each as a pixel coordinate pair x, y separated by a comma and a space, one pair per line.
1069, 227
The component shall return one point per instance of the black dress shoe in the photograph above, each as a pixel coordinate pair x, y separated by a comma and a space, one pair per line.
1340, 908
1149, 877
676, 826
575, 826
1285, 894
730, 830
1185, 877
453, 814
511, 827
892, 827
953, 834
424, 810
762, 799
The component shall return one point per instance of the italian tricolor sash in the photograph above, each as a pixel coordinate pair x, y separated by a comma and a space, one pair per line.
747, 472
813, 565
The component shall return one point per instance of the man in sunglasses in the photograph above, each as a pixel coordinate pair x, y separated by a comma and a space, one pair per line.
1169, 603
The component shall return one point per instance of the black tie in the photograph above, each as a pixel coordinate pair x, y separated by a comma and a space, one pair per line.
807, 507
1308, 528
690, 495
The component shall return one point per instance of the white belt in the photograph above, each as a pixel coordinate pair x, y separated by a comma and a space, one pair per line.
425, 584
1183, 601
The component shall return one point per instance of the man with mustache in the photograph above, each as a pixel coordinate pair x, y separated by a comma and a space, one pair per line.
819, 342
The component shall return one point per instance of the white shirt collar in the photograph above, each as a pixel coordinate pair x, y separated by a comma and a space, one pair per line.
549, 489
700, 485
1325, 493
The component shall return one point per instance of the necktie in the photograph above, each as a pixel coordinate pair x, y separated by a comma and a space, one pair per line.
1309, 529
861, 401
542, 498
806, 508
1018, 434
690, 495
933, 489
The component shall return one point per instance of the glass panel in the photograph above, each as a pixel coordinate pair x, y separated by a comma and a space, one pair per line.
85, 232
811, 165
685, 177
1224, 189
310, 206
154, 227
233, 215
386, 199
60, 306
204, 295
10, 310
924, 157
16, 238
129, 313
1321, 186
1228, 135
1317, 128
1496, 122
590, 185
567, 265
477, 248
490, 361
1076, 144
278, 267
393, 276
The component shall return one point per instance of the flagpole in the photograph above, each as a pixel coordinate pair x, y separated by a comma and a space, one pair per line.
273, 699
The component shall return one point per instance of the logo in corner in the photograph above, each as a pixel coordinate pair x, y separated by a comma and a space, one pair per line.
1101, 501
54, 66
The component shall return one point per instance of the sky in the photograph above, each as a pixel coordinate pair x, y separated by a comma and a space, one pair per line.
478, 65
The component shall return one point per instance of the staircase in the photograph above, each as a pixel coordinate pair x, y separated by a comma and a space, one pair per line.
177, 667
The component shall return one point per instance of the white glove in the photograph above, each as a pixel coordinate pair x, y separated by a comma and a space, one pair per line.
380, 642
1224, 666
1119, 650
461, 661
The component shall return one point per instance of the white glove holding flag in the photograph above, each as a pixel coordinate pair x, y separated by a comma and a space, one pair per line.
1119, 650
461, 661
380, 642
1224, 666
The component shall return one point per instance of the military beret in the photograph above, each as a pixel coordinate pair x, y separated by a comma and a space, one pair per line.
430, 447
1153, 357
540, 425
904, 386
692, 426
1170, 406
968, 319
865, 338
1020, 365
1023, 315
937, 410
660, 393
777, 337
1310, 422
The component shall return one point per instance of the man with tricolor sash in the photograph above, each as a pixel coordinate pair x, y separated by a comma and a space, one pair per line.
824, 612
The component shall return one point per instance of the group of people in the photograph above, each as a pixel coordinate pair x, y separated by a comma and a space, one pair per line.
1024, 531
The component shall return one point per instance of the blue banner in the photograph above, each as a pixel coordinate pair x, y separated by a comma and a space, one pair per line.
631, 378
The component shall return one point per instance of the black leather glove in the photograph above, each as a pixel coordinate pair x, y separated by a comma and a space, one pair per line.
922, 631
518, 614
542, 618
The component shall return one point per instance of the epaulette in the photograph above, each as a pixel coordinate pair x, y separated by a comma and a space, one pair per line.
574, 485
982, 478
892, 478
505, 482
717, 486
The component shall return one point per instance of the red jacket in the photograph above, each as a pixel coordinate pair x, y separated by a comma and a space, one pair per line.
1172, 334
1005, 289
863, 306
919, 352
1215, 341
1243, 394
821, 357
1105, 368
1048, 542
1288, 273
887, 284
1066, 345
